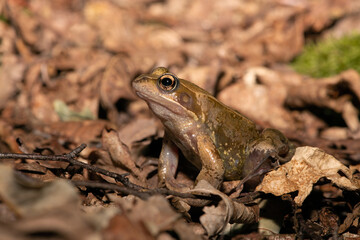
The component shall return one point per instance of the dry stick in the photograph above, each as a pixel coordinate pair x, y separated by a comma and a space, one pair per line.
144, 194
70, 158
109, 186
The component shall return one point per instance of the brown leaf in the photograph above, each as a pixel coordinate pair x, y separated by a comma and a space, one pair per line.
12, 72
119, 153
31, 167
138, 130
121, 227
306, 167
157, 216
260, 100
215, 219
79, 131
350, 219
29, 197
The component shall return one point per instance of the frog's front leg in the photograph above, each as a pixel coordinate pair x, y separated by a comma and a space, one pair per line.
168, 163
212, 169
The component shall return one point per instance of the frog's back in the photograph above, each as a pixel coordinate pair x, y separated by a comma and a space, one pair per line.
231, 133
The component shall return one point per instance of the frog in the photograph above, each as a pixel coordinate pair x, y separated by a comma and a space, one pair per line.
220, 142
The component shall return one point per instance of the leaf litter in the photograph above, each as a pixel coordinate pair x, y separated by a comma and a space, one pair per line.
65, 80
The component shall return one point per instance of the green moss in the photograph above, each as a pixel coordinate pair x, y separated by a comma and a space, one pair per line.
4, 19
66, 114
329, 57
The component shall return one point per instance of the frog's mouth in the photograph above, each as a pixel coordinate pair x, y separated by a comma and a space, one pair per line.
159, 104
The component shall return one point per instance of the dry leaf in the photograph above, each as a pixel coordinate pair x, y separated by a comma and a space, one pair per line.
31, 197
350, 219
307, 166
216, 219
157, 216
122, 228
78, 131
119, 153
260, 100
137, 130
10, 74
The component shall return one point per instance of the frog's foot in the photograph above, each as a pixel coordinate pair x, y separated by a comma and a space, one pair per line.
278, 159
289, 154
184, 204
280, 148
173, 185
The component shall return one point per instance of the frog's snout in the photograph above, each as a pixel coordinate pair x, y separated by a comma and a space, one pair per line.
136, 83
142, 86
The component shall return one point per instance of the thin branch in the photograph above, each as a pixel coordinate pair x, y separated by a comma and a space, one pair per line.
70, 158
129, 188
114, 187
143, 194
65, 157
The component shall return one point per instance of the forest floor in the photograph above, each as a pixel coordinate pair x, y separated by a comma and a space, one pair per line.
66, 72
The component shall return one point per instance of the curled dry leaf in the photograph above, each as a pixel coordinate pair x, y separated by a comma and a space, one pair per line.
307, 166
215, 219
119, 153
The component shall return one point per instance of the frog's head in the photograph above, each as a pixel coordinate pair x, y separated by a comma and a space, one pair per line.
170, 97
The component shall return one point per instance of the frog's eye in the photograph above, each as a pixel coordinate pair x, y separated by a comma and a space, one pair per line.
168, 82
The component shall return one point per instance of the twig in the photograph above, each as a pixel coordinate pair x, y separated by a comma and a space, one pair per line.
65, 157
129, 188
114, 187
143, 194
70, 158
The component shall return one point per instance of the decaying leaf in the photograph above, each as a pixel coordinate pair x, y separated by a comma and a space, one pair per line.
119, 152
216, 218
30, 197
307, 166
48, 209
156, 217
138, 130
260, 100
77, 131
10, 74
333, 93
351, 219
121, 227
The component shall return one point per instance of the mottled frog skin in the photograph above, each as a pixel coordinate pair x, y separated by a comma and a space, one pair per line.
219, 141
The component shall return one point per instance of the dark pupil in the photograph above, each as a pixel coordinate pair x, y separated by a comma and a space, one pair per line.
166, 82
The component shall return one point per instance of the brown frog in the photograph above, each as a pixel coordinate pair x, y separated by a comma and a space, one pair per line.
219, 141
